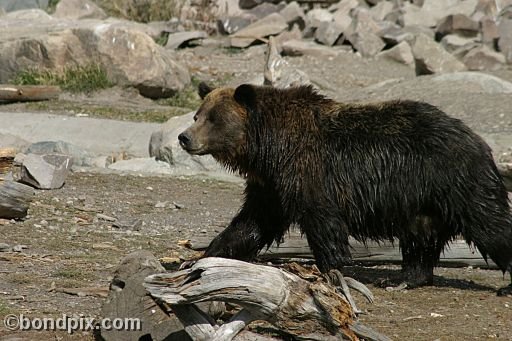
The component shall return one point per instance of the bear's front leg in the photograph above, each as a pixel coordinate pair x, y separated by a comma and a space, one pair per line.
258, 224
241, 240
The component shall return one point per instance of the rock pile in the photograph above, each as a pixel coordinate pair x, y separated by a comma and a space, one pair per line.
433, 36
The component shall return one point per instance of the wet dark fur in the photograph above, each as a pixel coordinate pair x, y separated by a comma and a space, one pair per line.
399, 169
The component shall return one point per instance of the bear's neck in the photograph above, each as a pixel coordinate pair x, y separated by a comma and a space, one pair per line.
279, 134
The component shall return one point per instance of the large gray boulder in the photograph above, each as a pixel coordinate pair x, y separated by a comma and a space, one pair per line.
164, 146
16, 5
130, 56
79, 9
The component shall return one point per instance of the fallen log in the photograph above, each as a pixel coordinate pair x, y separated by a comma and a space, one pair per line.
7, 156
14, 199
25, 93
457, 254
307, 309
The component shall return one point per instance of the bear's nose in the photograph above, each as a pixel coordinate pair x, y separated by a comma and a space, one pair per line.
184, 139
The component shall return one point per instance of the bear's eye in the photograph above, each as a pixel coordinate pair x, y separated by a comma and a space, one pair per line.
212, 117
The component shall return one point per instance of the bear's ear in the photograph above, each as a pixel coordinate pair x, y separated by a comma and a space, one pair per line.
245, 95
203, 89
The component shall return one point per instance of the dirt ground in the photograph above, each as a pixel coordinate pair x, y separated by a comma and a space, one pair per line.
68, 246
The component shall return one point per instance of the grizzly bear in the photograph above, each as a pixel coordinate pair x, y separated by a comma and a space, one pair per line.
397, 169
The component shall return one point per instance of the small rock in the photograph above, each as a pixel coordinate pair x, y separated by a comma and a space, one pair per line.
19, 248
104, 246
329, 32
430, 57
440, 9
436, 315
105, 217
453, 42
263, 10
363, 21
483, 58
344, 7
401, 53
362, 34
128, 224
230, 25
461, 52
413, 15
78, 9
248, 4
270, 25
381, 10
366, 43
178, 206
294, 33
457, 24
505, 41
176, 40
490, 33
299, 48
161, 204
317, 16
294, 14
47, 171
486, 7
395, 34
5, 247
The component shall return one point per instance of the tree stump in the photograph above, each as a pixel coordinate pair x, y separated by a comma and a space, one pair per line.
302, 305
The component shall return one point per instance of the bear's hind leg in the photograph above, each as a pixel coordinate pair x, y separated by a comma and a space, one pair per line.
421, 248
418, 261
506, 291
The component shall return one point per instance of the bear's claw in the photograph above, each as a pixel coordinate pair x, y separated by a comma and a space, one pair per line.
343, 285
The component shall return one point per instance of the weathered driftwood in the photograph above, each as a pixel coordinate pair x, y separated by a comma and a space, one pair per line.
294, 246
6, 159
308, 309
25, 93
14, 199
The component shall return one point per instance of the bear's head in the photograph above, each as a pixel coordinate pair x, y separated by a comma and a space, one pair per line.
220, 125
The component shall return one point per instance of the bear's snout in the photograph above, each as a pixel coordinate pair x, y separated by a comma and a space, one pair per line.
185, 140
